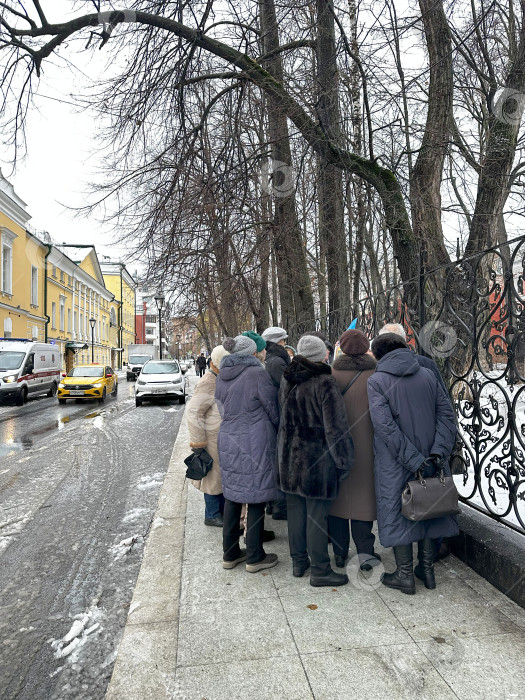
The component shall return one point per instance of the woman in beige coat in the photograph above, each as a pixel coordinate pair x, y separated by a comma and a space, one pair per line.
356, 500
203, 418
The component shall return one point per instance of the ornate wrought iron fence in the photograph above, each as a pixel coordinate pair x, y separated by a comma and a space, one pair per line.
468, 316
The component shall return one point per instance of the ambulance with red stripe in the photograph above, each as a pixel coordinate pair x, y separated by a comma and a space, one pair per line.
28, 369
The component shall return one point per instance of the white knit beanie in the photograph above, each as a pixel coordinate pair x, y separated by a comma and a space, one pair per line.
217, 354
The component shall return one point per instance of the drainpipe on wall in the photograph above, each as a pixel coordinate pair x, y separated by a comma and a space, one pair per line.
121, 320
49, 249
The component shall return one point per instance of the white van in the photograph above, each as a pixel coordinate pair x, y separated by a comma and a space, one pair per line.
28, 369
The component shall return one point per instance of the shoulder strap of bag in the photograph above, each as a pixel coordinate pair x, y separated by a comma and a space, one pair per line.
355, 378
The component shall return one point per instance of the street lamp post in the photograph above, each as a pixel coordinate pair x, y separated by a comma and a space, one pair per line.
92, 323
178, 336
159, 300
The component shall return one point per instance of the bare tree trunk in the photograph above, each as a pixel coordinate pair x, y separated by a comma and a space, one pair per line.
292, 270
504, 123
425, 184
330, 189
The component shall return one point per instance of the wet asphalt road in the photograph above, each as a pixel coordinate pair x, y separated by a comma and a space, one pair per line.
79, 486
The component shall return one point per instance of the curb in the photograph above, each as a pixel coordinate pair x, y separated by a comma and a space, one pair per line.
494, 551
147, 654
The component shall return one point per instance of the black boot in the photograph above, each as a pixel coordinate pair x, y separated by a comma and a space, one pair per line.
425, 568
403, 577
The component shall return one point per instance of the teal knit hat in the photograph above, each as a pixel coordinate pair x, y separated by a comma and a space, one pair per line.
257, 339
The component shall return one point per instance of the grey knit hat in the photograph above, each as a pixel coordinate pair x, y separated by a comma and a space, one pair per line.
244, 345
274, 334
229, 344
311, 348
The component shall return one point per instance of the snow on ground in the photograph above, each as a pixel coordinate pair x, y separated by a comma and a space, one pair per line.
149, 482
84, 627
118, 551
133, 515
159, 522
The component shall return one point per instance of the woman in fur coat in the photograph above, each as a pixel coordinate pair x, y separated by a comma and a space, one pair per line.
356, 500
315, 452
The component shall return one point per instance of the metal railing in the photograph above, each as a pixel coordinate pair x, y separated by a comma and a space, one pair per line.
469, 316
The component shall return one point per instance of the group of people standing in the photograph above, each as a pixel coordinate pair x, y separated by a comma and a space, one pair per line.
327, 447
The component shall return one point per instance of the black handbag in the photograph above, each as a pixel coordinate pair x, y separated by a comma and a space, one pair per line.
198, 465
423, 499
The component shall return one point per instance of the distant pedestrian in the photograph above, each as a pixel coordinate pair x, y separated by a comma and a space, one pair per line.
414, 428
247, 401
200, 364
291, 351
203, 419
315, 453
277, 360
356, 499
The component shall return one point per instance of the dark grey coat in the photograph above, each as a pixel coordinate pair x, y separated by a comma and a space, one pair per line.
247, 401
412, 418
277, 360
315, 449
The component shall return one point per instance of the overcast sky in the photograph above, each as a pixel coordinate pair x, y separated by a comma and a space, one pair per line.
60, 160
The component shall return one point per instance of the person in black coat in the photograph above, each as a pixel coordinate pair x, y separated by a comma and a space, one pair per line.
315, 452
200, 364
414, 429
275, 363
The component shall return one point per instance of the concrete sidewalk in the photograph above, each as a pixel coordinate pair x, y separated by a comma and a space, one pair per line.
198, 632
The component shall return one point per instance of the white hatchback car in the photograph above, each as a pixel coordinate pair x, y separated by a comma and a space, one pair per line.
160, 379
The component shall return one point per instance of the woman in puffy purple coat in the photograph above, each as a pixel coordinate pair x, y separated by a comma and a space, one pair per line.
414, 428
247, 401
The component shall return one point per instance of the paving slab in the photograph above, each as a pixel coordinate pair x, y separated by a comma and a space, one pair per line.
397, 672
482, 668
256, 679
233, 631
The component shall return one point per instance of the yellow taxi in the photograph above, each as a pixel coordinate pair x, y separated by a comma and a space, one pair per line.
88, 382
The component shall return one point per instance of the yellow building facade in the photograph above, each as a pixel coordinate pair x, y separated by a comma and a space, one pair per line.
119, 281
22, 265
79, 307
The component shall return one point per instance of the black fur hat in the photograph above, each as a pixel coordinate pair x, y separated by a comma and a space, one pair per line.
385, 343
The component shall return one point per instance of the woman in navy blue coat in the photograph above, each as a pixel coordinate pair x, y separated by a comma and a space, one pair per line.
247, 401
414, 428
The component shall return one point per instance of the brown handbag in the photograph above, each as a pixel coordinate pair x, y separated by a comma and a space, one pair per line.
424, 499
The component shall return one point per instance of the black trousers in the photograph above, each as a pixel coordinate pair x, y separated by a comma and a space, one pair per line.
254, 532
362, 535
308, 532
201, 371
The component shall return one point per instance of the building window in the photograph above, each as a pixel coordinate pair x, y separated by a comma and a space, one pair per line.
113, 317
69, 320
69, 280
8, 327
62, 313
53, 315
61, 275
34, 333
7, 267
34, 285
54, 271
